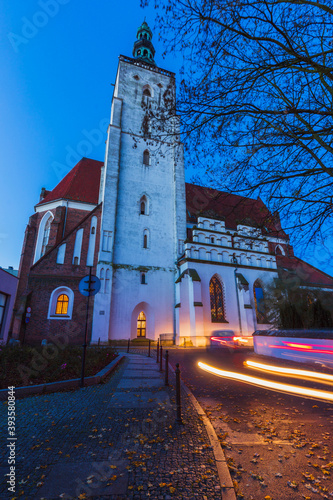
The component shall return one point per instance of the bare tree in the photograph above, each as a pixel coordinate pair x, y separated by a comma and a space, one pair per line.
256, 100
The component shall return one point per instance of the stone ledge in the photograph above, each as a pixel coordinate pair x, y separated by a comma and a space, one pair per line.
30, 390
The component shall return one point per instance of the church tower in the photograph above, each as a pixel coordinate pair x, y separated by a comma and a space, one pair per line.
143, 193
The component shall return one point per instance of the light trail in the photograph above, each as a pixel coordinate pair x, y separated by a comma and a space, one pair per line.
268, 384
289, 371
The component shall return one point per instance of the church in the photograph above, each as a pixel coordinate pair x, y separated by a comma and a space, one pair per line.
175, 260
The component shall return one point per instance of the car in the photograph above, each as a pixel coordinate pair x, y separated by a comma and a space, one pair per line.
228, 339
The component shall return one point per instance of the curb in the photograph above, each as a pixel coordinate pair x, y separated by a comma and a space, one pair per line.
30, 390
226, 483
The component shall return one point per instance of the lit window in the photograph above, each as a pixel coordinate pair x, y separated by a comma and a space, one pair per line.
141, 325
146, 157
46, 235
62, 304
216, 301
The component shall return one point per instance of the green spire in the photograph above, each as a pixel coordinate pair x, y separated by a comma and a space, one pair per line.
143, 48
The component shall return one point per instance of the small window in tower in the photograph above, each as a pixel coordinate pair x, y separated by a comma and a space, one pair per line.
145, 52
212, 240
145, 36
145, 238
76, 261
143, 208
139, 52
147, 92
150, 56
93, 230
143, 279
146, 157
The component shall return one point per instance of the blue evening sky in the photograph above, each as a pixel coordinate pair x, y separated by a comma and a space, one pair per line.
58, 60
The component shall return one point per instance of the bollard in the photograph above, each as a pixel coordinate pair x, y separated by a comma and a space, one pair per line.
178, 402
148, 348
158, 351
128, 344
161, 359
166, 380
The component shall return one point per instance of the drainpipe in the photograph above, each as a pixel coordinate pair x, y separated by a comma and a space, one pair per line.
239, 313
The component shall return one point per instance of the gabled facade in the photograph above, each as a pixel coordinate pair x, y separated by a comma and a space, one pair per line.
173, 258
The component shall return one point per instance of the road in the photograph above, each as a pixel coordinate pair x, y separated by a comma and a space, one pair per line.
278, 446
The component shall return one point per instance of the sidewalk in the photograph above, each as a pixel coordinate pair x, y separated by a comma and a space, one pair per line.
115, 441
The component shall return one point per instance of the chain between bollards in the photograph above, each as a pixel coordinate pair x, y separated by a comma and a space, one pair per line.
166, 380
158, 351
148, 348
128, 344
178, 402
161, 359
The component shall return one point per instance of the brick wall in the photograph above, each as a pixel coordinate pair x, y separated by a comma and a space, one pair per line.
39, 280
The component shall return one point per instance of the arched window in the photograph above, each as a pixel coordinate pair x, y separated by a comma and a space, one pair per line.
62, 304
93, 230
147, 90
145, 238
76, 261
101, 277
145, 52
279, 250
259, 301
143, 205
141, 325
216, 300
46, 235
107, 280
146, 158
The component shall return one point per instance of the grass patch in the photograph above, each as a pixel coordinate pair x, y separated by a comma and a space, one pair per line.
26, 365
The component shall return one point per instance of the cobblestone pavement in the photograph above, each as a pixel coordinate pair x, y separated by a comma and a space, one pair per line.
112, 441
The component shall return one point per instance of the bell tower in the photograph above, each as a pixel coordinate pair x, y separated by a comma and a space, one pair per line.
143, 194
143, 49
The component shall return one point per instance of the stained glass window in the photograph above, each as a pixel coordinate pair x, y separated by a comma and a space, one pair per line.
216, 300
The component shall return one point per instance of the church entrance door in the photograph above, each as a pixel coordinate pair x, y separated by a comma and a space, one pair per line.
141, 325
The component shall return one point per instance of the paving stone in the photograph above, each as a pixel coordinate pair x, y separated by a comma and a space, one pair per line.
117, 426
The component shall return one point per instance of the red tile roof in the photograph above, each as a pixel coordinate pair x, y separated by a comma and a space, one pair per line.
302, 272
80, 184
234, 209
